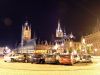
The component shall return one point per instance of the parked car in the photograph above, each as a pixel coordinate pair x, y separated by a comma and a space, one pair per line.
86, 58
14, 57
67, 59
77, 58
27, 57
37, 58
7, 58
50, 59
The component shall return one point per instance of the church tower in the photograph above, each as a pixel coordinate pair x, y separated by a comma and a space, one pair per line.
26, 31
59, 32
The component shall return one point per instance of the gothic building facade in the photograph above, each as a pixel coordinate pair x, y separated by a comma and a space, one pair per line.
65, 41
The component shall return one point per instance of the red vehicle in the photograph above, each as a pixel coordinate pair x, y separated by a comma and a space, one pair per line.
67, 59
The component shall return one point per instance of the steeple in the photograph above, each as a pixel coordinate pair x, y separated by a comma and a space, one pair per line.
71, 35
59, 27
59, 32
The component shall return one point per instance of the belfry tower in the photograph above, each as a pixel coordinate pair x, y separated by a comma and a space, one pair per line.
27, 43
59, 32
26, 32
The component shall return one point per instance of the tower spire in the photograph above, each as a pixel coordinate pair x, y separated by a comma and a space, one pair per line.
59, 32
71, 35
59, 27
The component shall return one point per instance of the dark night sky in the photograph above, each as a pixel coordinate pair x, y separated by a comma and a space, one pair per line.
77, 16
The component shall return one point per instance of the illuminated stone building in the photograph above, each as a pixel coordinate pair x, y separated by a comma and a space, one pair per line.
65, 42
94, 39
42, 48
27, 43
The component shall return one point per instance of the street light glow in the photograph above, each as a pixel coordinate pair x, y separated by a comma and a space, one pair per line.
83, 41
95, 50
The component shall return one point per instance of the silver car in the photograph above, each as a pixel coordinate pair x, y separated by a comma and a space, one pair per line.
14, 57
86, 58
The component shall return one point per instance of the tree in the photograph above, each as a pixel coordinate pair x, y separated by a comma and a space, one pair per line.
70, 50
